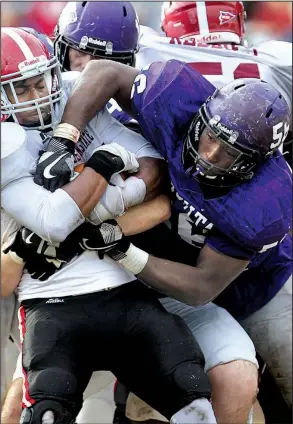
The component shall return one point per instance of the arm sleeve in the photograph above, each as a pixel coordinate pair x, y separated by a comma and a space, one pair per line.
53, 216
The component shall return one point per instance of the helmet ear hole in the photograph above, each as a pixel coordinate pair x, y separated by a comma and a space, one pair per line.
239, 86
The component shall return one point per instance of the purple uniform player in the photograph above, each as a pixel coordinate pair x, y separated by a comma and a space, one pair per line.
245, 218
80, 37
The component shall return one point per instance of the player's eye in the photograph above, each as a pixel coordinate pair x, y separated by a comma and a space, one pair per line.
20, 91
211, 137
230, 154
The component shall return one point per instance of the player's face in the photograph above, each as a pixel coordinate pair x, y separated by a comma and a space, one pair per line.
78, 60
26, 90
215, 151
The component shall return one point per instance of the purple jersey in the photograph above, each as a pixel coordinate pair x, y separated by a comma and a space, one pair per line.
249, 222
115, 110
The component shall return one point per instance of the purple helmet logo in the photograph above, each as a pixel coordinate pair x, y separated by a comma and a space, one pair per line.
101, 29
250, 117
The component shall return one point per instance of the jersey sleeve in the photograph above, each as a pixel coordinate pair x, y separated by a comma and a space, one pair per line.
53, 216
165, 97
245, 250
116, 111
219, 242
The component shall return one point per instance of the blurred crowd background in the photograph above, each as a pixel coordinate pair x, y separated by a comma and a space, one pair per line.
266, 20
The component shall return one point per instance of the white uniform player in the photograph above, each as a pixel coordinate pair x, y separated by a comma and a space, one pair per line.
43, 212
270, 61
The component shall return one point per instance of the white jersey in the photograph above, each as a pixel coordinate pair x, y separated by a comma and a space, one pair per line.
48, 213
42, 208
270, 61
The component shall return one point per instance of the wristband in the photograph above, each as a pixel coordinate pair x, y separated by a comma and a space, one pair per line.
105, 163
135, 259
67, 131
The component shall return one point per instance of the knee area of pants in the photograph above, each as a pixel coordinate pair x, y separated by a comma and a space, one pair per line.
191, 381
53, 381
56, 413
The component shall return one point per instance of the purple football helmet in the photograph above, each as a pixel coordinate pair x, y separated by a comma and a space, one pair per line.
250, 117
107, 30
42, 37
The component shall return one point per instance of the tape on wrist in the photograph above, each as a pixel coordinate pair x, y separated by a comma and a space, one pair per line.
67, 131
135, 260
134, 191
17, 259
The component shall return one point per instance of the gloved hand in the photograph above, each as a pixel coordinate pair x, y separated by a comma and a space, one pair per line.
25, 244
56, 165
111, 159
99, 238
41, 258
41, 268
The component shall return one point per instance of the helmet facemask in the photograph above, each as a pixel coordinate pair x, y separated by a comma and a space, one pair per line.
38, 66
240, 169
63, 44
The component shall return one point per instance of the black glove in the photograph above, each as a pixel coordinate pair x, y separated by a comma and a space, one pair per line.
118, 251
41, 268
41, 258
56, 165
98, 238
26, 244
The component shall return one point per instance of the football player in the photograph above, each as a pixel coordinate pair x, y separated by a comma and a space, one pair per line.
32, 90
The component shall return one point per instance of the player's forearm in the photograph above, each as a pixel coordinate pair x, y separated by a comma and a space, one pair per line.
11, 408
86, 190
142, 217
182, 282
11, 274
100, 81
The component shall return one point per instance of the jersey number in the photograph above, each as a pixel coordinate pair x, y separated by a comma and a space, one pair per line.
280, 132
243, 70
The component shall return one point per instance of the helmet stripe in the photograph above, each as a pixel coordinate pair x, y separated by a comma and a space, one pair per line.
202, 17
19, 41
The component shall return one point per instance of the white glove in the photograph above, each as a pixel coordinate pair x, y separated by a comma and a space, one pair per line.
117, 198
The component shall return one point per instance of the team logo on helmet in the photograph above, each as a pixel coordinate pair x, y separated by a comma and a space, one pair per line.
97, 42
215, 122
225, 17
29, 67
109, 48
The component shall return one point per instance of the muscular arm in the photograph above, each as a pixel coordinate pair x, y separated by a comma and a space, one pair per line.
193, 285
143, 217
100, 81
53, 216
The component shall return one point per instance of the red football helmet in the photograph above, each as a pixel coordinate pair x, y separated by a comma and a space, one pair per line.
208, 22
23, 56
